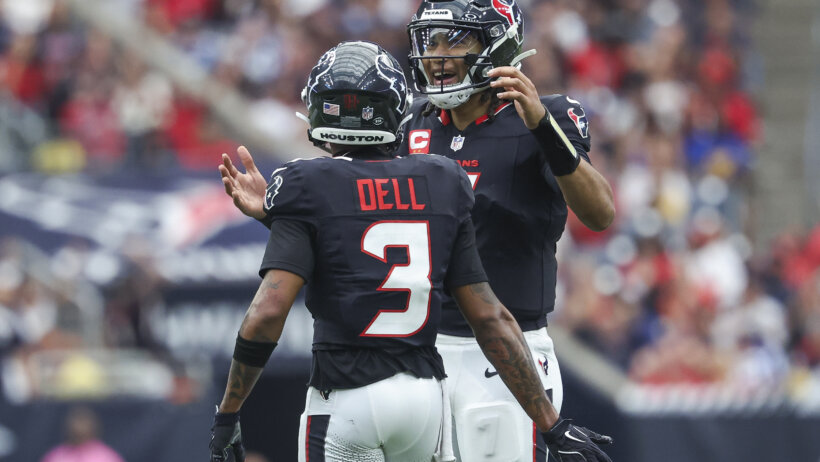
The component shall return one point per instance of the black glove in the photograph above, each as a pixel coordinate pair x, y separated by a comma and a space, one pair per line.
226, 439
568, 443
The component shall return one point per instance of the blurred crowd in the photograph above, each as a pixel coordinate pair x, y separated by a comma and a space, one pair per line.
680, 295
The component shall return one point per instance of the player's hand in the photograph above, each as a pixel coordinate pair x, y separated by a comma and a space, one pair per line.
226, 439
246, 189
569, 443
519, 89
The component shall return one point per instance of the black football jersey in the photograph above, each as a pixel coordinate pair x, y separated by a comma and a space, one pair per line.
519, 212
384, 238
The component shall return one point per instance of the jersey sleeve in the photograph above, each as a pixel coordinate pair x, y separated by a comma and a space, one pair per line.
290, 248
572, 120
291, 215
465, 264
287, 195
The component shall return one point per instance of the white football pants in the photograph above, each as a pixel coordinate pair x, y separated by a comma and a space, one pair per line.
490, 425
396, 419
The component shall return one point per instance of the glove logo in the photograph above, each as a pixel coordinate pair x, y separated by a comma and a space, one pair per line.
569, 435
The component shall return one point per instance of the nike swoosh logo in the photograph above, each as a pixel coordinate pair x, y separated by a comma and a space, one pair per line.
489, 374
569, 435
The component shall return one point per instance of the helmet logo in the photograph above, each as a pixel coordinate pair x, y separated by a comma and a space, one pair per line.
367, 113
330, 109
351, 101
504, 8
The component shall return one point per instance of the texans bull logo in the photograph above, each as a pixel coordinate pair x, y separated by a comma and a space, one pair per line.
580, 120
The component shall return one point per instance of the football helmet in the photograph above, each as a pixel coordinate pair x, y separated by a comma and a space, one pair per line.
356, 95
484, 33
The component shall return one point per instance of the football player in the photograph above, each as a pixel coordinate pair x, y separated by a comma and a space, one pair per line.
378, 239
526, 157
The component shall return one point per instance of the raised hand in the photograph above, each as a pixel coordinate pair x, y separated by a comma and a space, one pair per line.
246, 189
519, 89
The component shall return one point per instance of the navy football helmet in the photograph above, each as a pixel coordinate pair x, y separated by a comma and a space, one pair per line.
357, 95
485, 33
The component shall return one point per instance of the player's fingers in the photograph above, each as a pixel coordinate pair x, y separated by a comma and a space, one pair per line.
246, 158
512, 95
504, 71
526, 80
506, 82
598, 438
225, 173
601, 456
230, 185
239, 452
511, 71
229, 166
516, 83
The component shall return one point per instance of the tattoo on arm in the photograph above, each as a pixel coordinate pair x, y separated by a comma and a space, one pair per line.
482, 290
263, 322
261, 331
505, 347
241, 380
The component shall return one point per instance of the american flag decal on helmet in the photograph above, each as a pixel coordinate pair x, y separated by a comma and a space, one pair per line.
330, 109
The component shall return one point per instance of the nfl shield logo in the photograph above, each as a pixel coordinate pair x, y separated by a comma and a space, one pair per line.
457, 143
367, 113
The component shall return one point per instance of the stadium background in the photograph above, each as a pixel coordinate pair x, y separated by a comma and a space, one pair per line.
690, 330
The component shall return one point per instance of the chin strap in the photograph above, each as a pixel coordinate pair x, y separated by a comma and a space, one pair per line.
319, 144
303, 117
405, 120
517, 60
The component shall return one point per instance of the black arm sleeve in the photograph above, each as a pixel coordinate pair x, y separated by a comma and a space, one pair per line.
290, 248
267, 221
561, 154
465, 264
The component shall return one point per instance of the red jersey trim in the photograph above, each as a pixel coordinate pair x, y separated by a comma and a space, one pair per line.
444, 116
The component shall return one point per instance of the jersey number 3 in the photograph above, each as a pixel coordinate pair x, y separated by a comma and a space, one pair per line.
413, 277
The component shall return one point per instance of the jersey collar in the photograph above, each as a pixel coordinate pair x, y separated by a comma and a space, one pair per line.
444, 115
366, 153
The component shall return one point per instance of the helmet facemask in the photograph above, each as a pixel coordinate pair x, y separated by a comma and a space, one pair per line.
441, 37
449, 63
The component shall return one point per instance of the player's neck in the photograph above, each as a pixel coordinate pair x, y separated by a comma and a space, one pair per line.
467, 113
